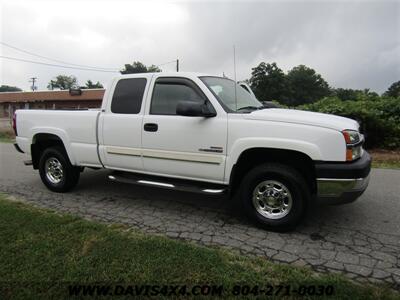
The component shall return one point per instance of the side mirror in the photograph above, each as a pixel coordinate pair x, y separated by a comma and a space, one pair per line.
194, 109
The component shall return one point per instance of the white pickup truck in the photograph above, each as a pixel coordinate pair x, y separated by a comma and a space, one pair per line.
202, 133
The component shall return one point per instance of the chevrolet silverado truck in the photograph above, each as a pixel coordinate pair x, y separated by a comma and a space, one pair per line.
195, 132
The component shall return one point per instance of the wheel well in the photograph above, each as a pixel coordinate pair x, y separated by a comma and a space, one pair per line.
40, 142
255, 156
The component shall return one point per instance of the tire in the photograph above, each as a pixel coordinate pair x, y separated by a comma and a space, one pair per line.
274, 196
56, 171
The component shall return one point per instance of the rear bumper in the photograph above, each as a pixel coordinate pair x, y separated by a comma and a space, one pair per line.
339, 183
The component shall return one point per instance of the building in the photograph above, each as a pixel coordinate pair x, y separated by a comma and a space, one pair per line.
68, 99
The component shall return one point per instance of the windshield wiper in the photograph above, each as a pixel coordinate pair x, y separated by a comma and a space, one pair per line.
250, 108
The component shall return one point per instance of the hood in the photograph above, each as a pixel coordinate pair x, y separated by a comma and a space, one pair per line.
303, 117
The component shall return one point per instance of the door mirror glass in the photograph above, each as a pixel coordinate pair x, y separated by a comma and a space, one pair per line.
194, 109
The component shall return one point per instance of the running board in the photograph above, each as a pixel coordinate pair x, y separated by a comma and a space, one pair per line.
168, 183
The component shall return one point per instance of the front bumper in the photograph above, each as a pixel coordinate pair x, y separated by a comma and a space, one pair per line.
339, 183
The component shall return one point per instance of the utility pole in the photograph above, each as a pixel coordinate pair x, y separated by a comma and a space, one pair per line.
177, 65
33, 87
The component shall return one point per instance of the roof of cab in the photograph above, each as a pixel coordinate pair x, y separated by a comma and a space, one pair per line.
164, 74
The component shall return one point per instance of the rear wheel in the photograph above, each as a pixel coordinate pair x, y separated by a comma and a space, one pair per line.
56, 171
274, 196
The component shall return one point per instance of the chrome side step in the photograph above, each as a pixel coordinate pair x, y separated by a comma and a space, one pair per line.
168, 183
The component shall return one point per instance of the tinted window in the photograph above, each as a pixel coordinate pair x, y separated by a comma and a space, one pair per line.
128, 96
166, 97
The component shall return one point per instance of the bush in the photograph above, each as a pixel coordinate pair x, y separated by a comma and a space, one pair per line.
6, 135
379, 117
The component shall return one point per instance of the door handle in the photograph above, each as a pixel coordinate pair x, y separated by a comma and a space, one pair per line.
152, 127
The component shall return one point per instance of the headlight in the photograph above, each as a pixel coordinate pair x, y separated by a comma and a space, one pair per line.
354, 141
351, 136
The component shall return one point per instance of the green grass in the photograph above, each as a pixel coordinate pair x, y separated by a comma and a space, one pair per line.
385, 158
386, 164
41, 252
7, 137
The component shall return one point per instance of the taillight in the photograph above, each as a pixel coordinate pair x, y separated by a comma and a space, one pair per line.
14, 123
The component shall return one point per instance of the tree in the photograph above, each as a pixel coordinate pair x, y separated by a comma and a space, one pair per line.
138, 67
268, 82
8, 88
393, 90
369, 93
350, 94
90, 85
153, 69
63, 82
346, 94
305, 86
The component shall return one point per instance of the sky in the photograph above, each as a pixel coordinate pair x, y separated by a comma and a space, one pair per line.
352, 44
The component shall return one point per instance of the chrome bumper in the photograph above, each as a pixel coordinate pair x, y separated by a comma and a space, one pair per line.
338, 190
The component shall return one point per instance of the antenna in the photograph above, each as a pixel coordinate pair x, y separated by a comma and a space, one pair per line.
234, 73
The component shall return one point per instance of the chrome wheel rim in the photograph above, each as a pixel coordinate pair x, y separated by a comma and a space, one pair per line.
272, 199
54, 170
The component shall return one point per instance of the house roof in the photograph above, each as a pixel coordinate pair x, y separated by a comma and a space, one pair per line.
39, 96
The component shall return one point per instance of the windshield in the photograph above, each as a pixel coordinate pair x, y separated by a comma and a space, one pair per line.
224, 90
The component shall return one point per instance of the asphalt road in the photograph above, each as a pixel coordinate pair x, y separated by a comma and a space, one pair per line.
361, 239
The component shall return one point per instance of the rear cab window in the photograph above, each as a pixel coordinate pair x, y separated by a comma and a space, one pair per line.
128, 96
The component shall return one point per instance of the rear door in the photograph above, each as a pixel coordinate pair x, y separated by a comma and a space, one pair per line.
121, 124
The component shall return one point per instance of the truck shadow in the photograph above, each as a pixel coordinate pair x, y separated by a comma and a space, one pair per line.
213, 208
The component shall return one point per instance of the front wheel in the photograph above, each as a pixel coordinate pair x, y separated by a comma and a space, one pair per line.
56, 171
274, 195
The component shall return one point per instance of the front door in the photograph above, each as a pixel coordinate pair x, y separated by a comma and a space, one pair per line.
181, 146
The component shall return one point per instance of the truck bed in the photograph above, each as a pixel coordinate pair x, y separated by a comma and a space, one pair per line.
76, 128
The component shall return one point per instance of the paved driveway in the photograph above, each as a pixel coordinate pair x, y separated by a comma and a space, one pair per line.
361, 239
